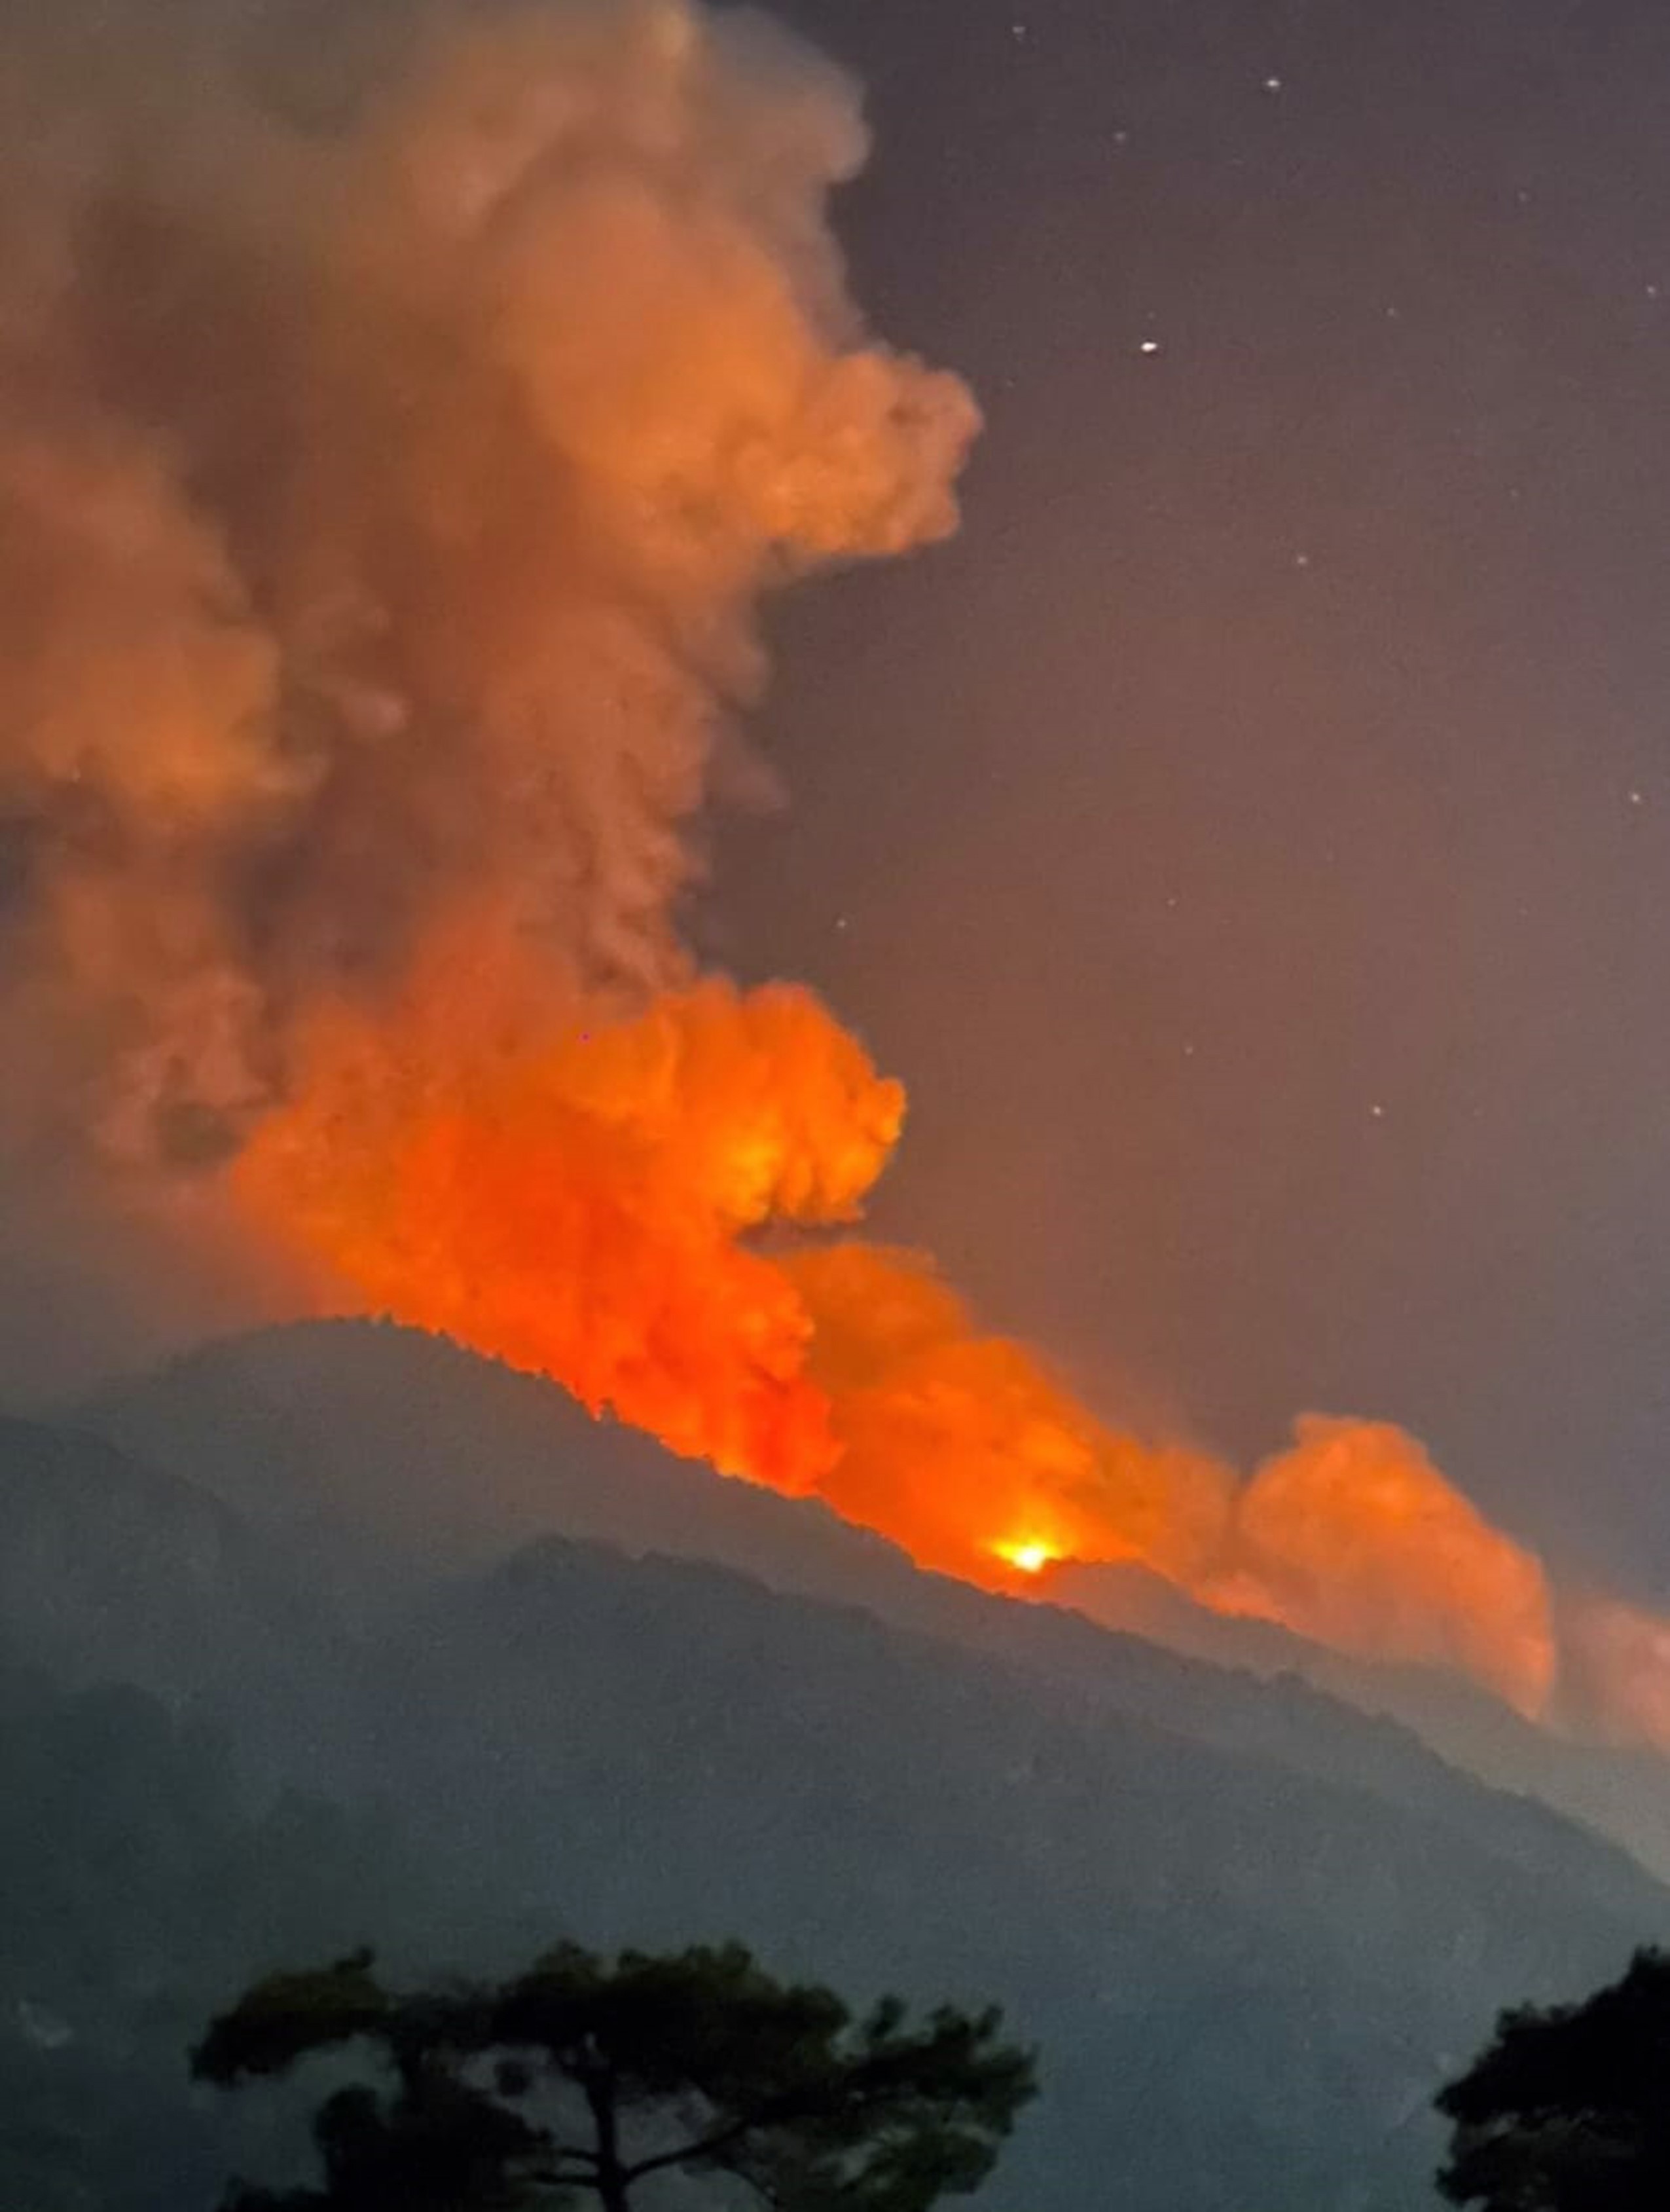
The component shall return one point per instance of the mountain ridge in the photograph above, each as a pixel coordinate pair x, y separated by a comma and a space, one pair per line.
376, 1432
1250, 1927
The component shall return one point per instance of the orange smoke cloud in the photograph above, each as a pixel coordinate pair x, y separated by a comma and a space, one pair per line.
581, 1193
572, 1197
400, 420
574, 1189
966, 1449
1354, 1539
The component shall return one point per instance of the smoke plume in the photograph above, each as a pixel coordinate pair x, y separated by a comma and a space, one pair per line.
403, 413
394, 451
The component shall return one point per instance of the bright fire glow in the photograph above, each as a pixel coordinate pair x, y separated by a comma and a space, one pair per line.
629, 1203
1030, 1557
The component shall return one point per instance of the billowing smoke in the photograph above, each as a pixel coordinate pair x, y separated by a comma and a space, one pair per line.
399, 433
402, 413
1353, 1538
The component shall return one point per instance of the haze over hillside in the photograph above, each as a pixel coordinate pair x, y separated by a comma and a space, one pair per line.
382, 1456
1249, 1928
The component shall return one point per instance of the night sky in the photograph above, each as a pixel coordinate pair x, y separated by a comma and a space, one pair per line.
1251, 839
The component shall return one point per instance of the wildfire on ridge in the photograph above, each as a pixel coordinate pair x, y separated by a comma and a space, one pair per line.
401, 421
582, 1194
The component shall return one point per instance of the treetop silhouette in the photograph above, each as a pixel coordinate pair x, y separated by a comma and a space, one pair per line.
1568, 2108
584, 2077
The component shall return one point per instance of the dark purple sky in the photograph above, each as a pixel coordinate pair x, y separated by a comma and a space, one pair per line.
1251, 840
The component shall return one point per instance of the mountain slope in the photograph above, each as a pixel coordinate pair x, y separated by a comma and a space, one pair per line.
143, 1886
1246, 1982
381, 1456
112, 1570
1250, 1929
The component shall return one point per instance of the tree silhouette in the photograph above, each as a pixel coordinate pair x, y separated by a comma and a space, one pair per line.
585, 2077
1568, 2109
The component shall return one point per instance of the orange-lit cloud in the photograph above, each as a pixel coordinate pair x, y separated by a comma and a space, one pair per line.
399, 427
1353, 1538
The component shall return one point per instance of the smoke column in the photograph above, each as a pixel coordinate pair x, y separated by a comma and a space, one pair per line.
402, 414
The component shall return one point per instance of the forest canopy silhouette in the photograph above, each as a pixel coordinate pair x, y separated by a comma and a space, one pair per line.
1568, 2109
583, 2077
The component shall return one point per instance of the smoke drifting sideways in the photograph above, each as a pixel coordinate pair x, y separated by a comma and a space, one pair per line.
403, 413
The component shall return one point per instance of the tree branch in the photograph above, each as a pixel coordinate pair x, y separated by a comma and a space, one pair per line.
701, 2147
574, 2152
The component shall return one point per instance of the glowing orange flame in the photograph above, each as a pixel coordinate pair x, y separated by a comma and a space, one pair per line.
585, 1196
1030, 1556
